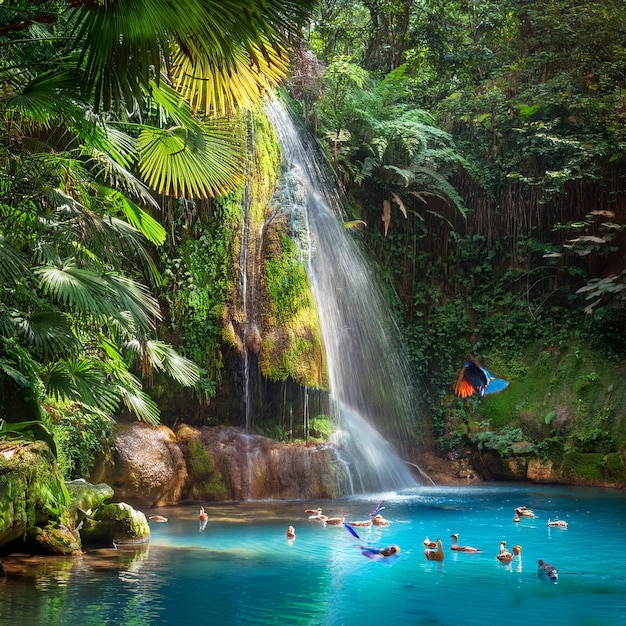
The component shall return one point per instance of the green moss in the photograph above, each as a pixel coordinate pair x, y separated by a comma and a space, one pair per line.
292, 339
199, 461
31, 488
571, 393
594, 468
286, 281
207, 482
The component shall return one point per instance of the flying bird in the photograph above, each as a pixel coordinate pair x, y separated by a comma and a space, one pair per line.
472, 378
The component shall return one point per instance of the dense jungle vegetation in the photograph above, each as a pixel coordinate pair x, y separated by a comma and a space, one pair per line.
478, 144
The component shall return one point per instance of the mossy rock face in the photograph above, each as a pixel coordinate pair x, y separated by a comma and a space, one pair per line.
86, 496
56, 540
116, 523
594, 469
493, 466
29, 480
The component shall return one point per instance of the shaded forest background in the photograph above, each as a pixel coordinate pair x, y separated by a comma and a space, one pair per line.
479, 147
521, 262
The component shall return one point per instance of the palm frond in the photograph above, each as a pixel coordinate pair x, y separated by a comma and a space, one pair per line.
137, 217
215, 88
81, 290
141, 404
48, 333
81, 380
135, 298
181, 163
133, 396
164, 357
45, 97
122, 43
13, 264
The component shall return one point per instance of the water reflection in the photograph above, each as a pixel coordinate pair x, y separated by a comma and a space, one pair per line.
243, 569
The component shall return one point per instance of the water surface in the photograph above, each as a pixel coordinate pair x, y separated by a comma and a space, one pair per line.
243, 570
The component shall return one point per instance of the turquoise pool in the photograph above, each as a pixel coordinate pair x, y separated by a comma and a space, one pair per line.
242, 569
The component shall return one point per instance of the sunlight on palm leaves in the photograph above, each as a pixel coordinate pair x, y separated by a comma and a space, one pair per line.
122, 43
194, 158
155, 354
80, 380
136, 216
208, 85
179, 163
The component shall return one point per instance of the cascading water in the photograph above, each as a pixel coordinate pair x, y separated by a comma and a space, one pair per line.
372, 391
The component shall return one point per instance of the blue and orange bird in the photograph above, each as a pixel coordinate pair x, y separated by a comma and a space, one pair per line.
476, 379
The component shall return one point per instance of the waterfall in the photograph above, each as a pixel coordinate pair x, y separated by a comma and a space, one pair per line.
372, 391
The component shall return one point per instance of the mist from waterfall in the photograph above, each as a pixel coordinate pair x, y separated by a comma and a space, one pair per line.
372, 391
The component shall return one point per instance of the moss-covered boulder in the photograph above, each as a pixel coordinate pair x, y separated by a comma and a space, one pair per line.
31, 488
54, 539
113, 524
85, 496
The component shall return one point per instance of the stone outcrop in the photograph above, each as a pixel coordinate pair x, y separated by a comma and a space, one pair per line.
146, 466
151, 466
40, 513
255, 467
29, 486
114, 524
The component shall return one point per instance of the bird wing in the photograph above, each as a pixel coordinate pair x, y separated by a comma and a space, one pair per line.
351, 531
472, 378
495, 384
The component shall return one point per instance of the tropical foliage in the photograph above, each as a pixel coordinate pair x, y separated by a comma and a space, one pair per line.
531, 99
109, 111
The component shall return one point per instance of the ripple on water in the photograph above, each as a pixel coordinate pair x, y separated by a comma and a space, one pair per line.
243, 570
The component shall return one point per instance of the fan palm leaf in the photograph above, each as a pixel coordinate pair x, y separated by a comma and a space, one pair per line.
180, 163
80, 380
135, 298
155, 354
194, 158
135, 215
13, 264
48, 333
208, 85
130, 390
124, 44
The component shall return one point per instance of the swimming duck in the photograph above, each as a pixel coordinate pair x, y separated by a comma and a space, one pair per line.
558, 523
379, 520
435, 555
505, 556
367, 522
204, 518
545, 569
522, 511
157, 518
291, 533
316, 515
428, 543
456, 546
314, 512
335, 521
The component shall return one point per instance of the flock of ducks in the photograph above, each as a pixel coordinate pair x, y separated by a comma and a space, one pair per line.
376, 519
433, 550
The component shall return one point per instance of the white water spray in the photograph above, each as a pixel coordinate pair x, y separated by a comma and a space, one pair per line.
372, 390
